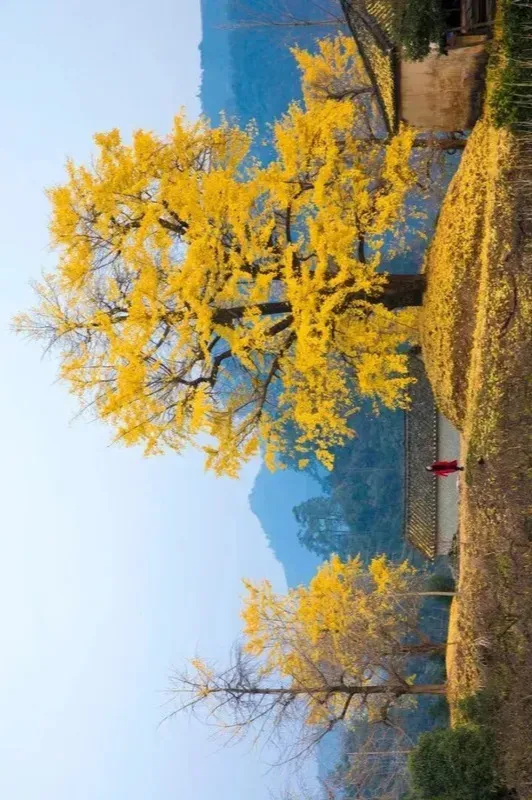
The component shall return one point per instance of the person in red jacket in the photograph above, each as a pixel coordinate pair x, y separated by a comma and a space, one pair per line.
443, 468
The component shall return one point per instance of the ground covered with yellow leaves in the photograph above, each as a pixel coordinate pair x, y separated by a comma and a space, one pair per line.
477, 341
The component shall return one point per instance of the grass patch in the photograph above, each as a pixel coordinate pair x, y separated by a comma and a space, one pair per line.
476, 334
477, 341
476, 206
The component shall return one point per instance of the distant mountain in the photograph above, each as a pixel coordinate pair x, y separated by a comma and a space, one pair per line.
272, 499
365, 487
216, 91
248, 72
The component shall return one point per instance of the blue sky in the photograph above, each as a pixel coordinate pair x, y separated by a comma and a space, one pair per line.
112, 567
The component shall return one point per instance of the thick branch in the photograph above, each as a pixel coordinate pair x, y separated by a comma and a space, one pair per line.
178, 226
225, 316
400, 291
212, 376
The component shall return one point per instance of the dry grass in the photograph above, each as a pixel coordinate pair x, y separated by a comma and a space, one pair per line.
477, 341
477, 338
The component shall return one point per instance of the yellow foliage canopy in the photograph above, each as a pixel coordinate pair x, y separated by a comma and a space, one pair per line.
336, 71
198, 294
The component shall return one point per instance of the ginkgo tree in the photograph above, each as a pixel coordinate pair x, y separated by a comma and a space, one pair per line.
338, 650
202, 297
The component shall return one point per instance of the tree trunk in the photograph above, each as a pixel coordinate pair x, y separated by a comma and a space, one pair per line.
343, 689
398, 292
422, 649
402, 290
385, 688
425, 594
428, 688
444, 143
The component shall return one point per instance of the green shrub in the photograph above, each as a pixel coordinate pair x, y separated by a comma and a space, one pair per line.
423, 23
454, 764
510, 99
439, 711
440, 582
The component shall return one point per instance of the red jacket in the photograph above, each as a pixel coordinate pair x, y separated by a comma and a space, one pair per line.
444, 468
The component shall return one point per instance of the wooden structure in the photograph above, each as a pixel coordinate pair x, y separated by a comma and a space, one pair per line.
474, 16
440, 93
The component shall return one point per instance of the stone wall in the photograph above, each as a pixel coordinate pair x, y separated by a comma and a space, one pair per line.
443, 92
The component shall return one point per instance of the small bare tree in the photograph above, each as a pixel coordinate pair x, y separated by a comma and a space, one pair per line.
339, 651
242, 702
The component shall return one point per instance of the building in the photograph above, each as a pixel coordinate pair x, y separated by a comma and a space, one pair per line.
441, 93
